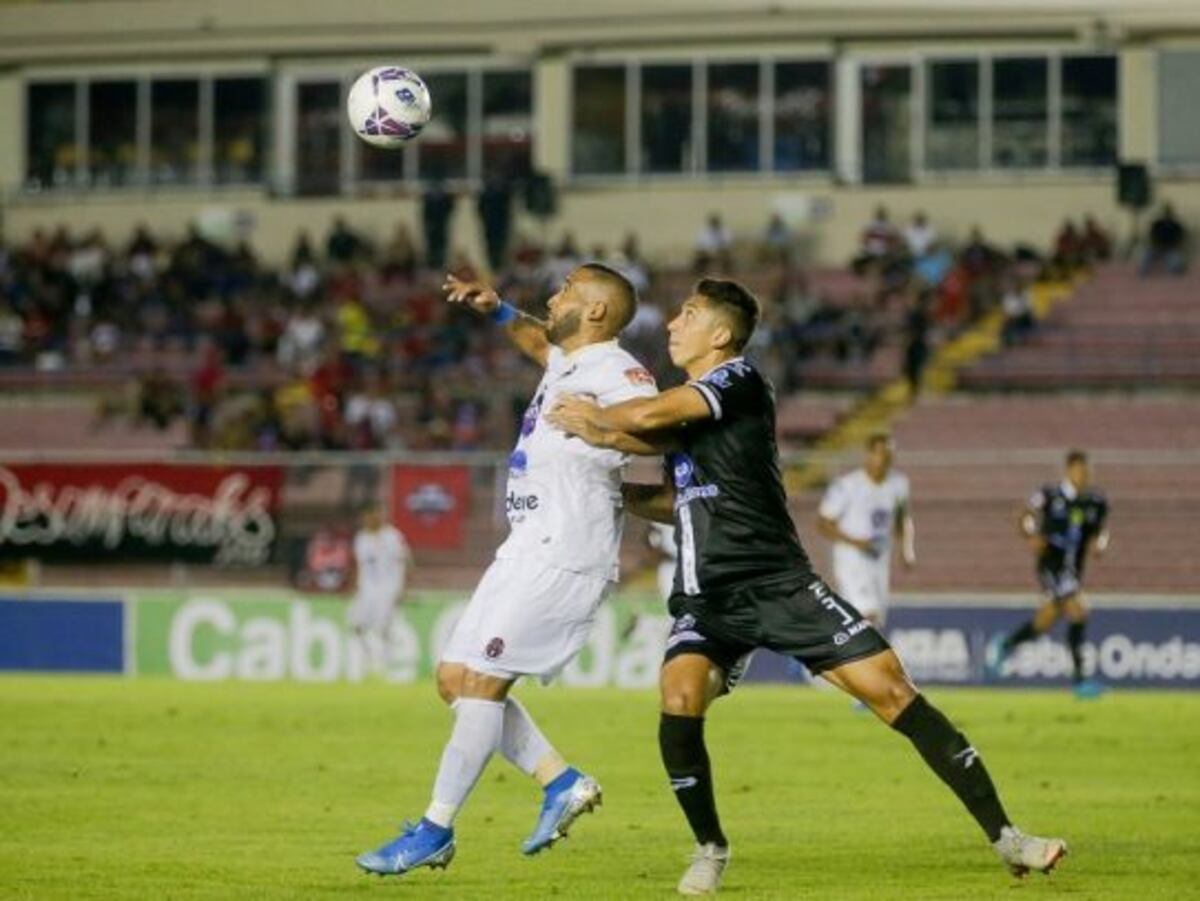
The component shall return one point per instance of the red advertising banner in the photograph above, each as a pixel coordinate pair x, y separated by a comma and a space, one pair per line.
430, 503
221, 514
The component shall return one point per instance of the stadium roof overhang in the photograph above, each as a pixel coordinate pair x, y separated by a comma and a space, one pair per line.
176, 29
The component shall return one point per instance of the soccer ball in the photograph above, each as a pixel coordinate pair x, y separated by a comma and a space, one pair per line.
388, 106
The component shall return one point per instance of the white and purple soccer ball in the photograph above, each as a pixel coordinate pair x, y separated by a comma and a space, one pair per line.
388, 105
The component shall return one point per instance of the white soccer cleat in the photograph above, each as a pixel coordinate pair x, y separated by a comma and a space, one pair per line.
703, 876
1022, 853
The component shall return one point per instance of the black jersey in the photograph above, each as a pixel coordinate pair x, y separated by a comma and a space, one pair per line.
732, 523
1069, 522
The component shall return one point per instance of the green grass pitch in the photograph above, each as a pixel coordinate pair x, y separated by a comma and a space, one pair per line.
153, 789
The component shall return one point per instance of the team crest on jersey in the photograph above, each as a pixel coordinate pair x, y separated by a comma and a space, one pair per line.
494, 648
639, 375
722, 376
518, 462
718, 377
682, 469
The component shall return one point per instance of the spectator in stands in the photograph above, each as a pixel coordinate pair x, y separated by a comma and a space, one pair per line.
160, 399
208, 385
12, 336
1167, 245
632, 264
919, 236
1068, 251
559, 264
977, 255
371, 419
400, 256
303, 277
495, 212
714, 247
1097, 245
777, 241
356, 337
1018, 312
879, 244
437, 206
88, 261
343, 245
916, 346
299, 346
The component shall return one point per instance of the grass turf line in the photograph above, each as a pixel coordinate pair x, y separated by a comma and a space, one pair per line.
156, 789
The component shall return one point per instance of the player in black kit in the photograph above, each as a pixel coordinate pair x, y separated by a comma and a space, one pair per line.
743, 580
1063, 523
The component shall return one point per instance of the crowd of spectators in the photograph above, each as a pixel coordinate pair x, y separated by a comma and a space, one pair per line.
348, 344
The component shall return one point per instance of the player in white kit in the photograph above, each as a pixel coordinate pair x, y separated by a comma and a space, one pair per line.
860, 513
381, 559
534, 607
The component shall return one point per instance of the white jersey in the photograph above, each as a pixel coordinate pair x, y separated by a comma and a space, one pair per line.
865, 510
564, 496
381, 558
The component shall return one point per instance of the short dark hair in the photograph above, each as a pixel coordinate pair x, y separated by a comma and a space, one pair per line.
878, 438
620, 289
739, 305
1076, 456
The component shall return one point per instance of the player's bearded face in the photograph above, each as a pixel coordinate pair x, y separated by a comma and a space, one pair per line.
563, 324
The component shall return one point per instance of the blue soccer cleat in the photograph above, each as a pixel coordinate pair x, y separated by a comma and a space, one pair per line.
423, 845
1088, 689
567, 798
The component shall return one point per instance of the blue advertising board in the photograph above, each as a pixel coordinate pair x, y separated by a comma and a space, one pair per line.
58, 635
1126, 647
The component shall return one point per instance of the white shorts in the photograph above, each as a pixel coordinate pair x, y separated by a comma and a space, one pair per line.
526, 619
372, 610
863, 582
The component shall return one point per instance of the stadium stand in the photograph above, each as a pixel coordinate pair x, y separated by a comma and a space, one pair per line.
1118, 331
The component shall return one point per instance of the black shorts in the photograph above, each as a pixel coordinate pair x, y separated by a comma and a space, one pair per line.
797, 616
1059, 582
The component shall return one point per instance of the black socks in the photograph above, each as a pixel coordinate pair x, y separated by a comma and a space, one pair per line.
1075, 643
1022, 634
956, 763
681, 741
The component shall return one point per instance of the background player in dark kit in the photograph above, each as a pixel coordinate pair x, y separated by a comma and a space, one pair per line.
1063, 523
744, 581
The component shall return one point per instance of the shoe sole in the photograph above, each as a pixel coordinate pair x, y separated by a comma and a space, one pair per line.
1021, 872
578, 807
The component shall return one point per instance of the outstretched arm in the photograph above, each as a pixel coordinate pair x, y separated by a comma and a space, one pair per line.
526, 332
906, 531
642, 416
1030, 525
576, 419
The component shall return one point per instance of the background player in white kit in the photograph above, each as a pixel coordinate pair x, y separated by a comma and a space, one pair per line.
534, 607
381, 560
861, 511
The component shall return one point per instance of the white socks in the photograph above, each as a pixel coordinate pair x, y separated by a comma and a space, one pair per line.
526, 748
478, 726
